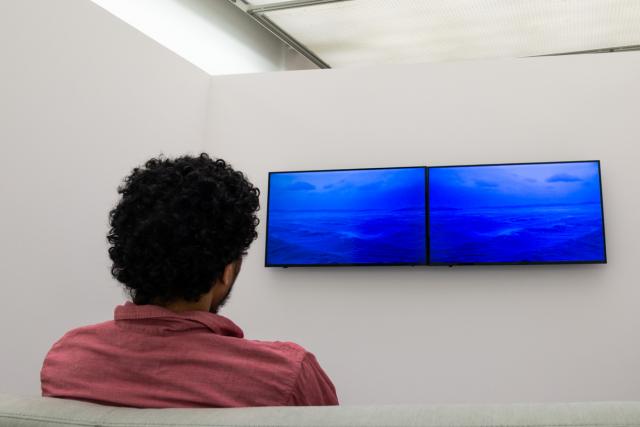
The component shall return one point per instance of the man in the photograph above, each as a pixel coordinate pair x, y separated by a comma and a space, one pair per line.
177, 239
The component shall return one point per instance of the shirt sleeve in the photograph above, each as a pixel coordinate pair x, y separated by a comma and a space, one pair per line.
313, 387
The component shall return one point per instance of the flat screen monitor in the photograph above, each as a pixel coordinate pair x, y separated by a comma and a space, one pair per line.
534, 213
347, 217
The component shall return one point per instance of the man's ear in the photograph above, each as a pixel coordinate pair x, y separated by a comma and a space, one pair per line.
222, 286
230, 272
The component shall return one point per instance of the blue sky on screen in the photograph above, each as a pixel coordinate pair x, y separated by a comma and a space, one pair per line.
355, 189
514, 185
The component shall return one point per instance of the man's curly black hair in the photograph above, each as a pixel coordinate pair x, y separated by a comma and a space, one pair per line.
178, 224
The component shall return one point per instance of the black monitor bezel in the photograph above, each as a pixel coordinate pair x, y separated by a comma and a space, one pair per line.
426, 229
437, 264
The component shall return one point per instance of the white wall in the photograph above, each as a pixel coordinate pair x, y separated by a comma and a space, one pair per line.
464, 334
212, 34
83, 98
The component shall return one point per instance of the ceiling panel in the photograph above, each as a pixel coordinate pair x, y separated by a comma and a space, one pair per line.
362, 32
263, 2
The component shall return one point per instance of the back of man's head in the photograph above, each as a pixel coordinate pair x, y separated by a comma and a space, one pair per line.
178, 224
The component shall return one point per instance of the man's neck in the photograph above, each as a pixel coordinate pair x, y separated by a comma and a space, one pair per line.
179, 306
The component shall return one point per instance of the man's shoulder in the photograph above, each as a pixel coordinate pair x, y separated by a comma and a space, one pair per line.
83, 332
287, 349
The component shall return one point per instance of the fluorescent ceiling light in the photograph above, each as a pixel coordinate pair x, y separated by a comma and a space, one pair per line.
363, 32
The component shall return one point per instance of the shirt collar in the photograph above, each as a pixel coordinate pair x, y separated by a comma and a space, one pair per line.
217, 324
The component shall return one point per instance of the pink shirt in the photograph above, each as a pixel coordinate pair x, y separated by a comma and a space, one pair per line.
151, 357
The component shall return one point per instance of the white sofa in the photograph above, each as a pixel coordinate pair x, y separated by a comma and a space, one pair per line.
37, 411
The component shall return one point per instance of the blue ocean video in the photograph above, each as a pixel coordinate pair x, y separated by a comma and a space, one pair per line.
538, 213
366, 216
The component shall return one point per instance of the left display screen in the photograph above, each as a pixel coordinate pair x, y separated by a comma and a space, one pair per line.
347, 217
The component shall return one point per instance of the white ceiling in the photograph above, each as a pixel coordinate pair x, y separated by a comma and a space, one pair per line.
363, 32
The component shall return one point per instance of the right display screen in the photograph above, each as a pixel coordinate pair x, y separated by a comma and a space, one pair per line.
531, 213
